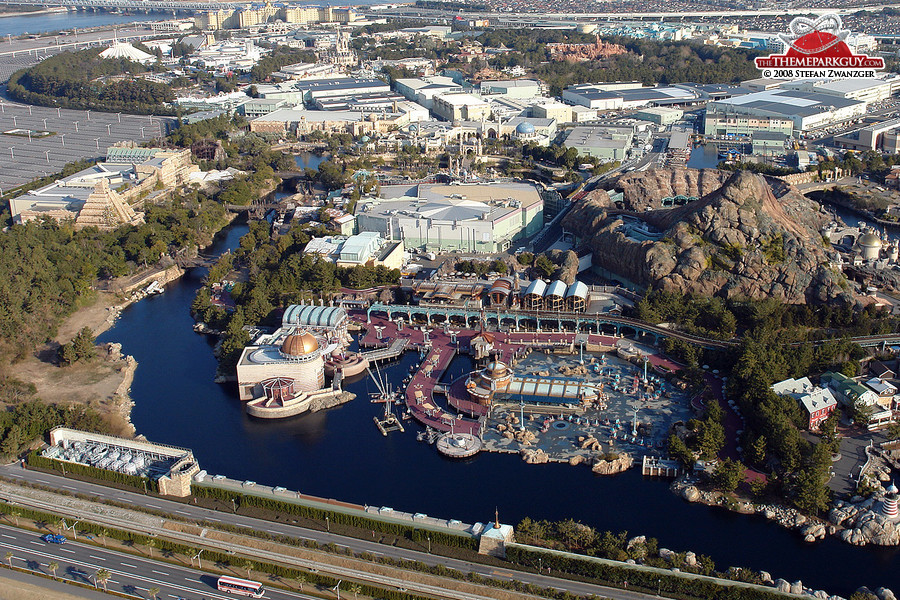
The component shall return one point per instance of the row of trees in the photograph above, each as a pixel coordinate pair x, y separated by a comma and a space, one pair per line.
337, 518
34, 459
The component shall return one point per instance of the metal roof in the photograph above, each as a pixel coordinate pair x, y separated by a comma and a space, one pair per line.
578, 289
557, 288
313, 316
537, 287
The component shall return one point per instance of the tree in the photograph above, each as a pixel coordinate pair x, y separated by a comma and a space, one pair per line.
53, 566
151, 544
811, 495
154, 592
102, 576
757, 450
104, 533
729, 474
9, 556
248, 565
544, 266
680, 452
356, 589
60, 525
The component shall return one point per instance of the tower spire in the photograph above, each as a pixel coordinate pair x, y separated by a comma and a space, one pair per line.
496, 518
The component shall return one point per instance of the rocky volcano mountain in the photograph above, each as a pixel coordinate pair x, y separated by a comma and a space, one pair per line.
748, 236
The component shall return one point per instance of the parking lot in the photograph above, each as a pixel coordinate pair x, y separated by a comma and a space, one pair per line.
74, 135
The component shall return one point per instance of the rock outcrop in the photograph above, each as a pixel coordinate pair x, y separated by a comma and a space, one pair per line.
749, 236
610, 467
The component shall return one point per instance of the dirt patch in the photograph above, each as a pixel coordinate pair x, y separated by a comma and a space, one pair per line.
19, 590
99, 384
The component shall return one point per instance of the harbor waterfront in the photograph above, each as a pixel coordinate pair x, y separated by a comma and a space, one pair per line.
338, 453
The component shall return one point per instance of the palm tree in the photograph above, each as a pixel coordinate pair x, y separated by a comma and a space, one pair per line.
60, 526
150, 546
104, 533
249, 566
301, 578
9, 557
356, 589
154, 591
53, 566
16, 513
102, 576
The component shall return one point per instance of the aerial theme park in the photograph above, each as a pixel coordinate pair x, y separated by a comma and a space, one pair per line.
558, 375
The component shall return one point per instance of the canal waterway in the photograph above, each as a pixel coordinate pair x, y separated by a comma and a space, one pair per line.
339, 453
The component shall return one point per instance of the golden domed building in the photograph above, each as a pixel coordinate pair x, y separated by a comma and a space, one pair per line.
290, 354
869, 246
494, 378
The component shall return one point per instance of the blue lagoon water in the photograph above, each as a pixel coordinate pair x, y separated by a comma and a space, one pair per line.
42, 23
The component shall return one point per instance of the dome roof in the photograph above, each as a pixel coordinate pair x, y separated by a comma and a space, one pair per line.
892, 489
525, 127
870, 239
497, 369
299, 344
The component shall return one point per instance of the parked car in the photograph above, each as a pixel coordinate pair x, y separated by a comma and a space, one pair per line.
52, 538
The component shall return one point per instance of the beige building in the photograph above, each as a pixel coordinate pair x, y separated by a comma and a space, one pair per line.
252, 16
461, 107
292, 354
108, 194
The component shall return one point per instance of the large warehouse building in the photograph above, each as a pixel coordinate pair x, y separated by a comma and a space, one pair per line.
769, 111
469, 218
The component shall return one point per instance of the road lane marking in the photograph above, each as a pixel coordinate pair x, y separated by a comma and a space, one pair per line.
67, 550
32, 542
68, 487
159, 572
129, 566
96, 557
181, 512
125, 500
12, 537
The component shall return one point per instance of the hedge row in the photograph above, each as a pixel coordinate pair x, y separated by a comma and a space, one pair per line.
34, 459
671, 585
410, 532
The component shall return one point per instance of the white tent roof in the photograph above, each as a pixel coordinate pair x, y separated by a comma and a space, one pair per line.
123, 50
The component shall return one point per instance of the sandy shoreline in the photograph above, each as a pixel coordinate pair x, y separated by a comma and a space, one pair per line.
43, 11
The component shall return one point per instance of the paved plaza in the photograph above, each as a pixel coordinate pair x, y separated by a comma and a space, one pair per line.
609, 422
74, 135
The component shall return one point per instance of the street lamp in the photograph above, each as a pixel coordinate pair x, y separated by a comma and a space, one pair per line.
76, 126
89, 115
428, 537
15, 123
540, 564
120, 117
233, 505
658, 586
197, 556
11, 154
327, 524
142, 131
107, 129
98, 142
45, 124
62, 137
47, 153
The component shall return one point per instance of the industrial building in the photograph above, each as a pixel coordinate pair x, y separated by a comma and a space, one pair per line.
461, 107
884, 136
595, 97
367, 248
606, 143
660, 115
170, 466
468, 217
301, 121
771, 110
864, 90
513, 88
422, 90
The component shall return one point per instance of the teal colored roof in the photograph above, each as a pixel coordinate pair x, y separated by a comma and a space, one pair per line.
853, 389
313, 316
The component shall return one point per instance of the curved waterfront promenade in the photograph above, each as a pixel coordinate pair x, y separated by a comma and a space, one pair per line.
441, 346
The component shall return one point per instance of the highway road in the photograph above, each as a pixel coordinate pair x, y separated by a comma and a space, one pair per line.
129, 574
196, 513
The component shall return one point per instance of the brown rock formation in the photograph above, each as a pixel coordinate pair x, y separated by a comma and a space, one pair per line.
751, 237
